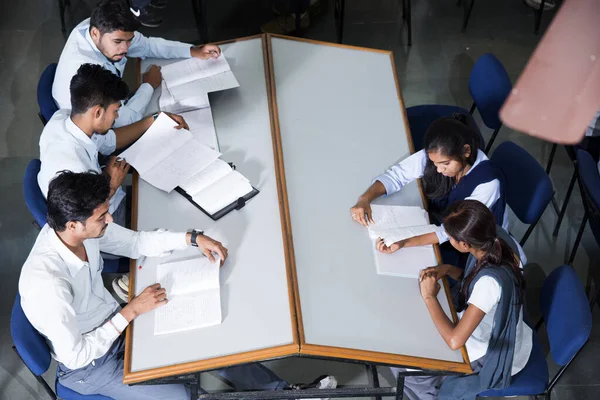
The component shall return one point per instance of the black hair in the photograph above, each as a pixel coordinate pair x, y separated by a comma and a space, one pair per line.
470, 221
92, 86
74, 197
448, 136
113, 15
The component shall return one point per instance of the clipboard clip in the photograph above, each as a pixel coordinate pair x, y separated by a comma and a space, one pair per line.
241, 202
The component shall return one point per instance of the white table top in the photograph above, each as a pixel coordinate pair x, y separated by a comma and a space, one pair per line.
341, 125
254, 292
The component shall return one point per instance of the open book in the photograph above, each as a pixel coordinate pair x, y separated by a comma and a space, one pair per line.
394, 223
165, 156
217, 189
193, 77
194, 295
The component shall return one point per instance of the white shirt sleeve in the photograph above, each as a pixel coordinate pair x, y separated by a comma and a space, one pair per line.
144, 47
487, 193
51, 301
406, 171
486, 294
125, 242
107, 143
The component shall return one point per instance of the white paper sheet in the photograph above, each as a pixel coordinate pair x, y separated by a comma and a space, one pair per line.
168, 103
218, 169
202, 127
223, 192
407, 262
390, 236
193, 293
389, 217
209, 84
192, 69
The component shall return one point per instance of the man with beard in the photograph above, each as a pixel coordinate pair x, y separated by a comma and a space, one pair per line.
106, 38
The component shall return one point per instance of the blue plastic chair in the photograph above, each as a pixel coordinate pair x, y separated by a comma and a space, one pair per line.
489, 85
420, 117
568, 320
37, 207
33, 195
44, 94
589, 186
528, 187
32, 349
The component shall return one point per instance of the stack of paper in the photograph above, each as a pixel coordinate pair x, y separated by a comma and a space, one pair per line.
194, 77
394, 223
165, 156
193, 293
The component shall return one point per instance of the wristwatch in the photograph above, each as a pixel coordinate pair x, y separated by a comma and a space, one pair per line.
195, 234
155, 115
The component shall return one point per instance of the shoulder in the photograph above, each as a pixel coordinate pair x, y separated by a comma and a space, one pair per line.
486, 293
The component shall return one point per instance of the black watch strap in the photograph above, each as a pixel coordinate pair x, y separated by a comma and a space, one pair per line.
195, 234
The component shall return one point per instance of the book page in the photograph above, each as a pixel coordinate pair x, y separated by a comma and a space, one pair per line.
168, 103
188, 311
202, 127
192, 69
389, 217
188, 275
218, 169
390, 236
156, 144
209, 84
406, 262
223, 192
181, 164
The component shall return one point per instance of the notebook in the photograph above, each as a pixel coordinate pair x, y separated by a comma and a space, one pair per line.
193, 293
395, 223
217, 189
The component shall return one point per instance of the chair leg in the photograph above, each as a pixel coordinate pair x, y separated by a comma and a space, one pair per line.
467, 8
338, 14
372, 369
563, 209
61, 9
526, 236
489, 145
473, 107
538, 17
551, 158
578, 239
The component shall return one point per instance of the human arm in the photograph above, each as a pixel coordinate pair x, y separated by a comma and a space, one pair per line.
421, 240
361, 211
457, 335
441, 271
126, 135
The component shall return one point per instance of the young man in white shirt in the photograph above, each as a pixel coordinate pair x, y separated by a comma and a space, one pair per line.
106, 39
63, 297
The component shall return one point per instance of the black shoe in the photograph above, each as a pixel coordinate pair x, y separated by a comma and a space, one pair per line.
158, 4
148, 17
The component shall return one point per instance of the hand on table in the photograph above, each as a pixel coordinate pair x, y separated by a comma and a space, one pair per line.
179, 119
429, 287
437, 272
153, 76
151, 298
117, 171
381, 247
208, 246
362, 213
205, 52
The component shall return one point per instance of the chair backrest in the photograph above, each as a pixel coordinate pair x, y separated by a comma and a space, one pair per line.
44, 93
33, 195
567, 313
528, 187
489, 85
590, 179
32, 346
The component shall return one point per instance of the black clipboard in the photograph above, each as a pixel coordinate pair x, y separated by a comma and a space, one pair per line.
236, 205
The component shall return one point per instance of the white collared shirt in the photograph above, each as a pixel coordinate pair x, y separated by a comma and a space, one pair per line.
63, 146
80, 49
413, 167
64, 297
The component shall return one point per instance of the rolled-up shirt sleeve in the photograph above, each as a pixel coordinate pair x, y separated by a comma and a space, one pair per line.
73, 348
406, 171
127, 243
144, 47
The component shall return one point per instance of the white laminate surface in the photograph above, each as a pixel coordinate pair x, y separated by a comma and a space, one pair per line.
254, 292
341, 125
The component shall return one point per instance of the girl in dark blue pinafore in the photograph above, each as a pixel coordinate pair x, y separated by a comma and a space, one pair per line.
452, 168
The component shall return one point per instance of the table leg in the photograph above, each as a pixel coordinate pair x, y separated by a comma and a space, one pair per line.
372, 369
339, 6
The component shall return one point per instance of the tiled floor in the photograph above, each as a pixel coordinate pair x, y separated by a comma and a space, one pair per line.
434, 70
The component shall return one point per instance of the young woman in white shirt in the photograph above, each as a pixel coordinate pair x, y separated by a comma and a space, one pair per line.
451, 167
490, 305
